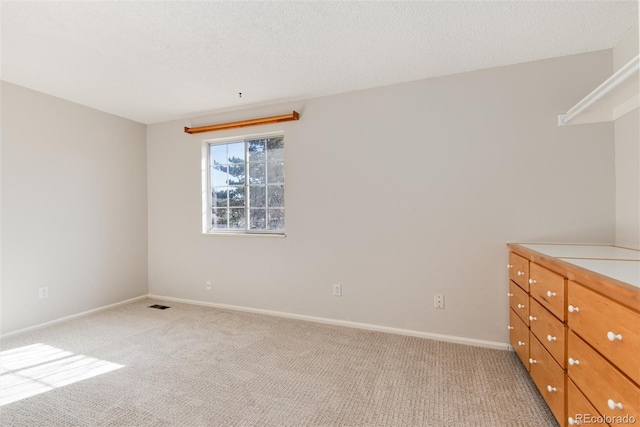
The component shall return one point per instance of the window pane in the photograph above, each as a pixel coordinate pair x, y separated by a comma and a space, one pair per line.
275, 147
236, 174
218, 154
257, 219
219, 218
218, 176
219, 197
275, 171
276, 219
247, 184
236, 152
236, 219
276, 143
236, 196
275, 196
257, 196
256, 173
256, 150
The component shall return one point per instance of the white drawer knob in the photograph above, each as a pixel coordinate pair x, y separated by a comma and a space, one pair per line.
510, 327
551, 294
573, 422
520, 273
521, 343
521, 305
532, 318
509, 266
551, 389
613, 405
551, 338
573, 361
509, 294
532, 281
612, 337
533, 361
572, 309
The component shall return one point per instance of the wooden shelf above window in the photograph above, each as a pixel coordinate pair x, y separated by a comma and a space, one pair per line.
243, 123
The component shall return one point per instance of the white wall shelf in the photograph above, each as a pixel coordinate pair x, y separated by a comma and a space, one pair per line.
615, 97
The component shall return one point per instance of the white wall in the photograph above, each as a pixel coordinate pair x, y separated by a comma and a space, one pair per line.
627, 161
626, 49
627, 157
397, 193
74, 208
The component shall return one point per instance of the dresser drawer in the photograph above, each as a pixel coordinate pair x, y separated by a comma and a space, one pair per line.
579, 410
549, 289
549, 330
609, 327
600, 382
519, 337
519, 270
519, 302
549, 377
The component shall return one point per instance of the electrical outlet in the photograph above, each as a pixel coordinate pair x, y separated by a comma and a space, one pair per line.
43, 292
208, 285
438, 300
337, 290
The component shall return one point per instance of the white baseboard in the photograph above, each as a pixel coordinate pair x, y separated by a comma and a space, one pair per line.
73, 316
347, 323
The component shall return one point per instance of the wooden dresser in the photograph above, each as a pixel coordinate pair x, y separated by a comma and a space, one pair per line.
574, 321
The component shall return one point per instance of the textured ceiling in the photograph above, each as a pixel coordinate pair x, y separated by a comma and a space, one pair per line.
153, 61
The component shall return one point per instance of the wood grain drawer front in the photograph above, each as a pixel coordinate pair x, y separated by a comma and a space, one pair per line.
549, 289
609, 327
551, 332
607, 389
549, 377
519, 270
519, 302
519, 337
579, 410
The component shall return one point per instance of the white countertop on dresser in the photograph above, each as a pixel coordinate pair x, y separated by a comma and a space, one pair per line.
584, 251
611, 261
624, 271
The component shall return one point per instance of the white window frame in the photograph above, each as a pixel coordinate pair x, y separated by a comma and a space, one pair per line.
206, 188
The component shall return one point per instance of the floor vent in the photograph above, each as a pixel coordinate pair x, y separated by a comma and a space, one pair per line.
159, 307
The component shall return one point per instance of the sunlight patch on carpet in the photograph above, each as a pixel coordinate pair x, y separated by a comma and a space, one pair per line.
34, 369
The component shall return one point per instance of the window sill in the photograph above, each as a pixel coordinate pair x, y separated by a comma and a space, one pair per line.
276, 235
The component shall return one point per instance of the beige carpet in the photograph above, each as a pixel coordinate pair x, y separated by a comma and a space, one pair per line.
200, 366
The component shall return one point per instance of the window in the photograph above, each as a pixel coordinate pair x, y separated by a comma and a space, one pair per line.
245, 186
